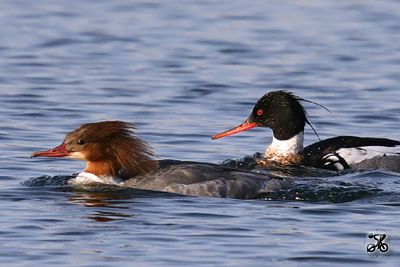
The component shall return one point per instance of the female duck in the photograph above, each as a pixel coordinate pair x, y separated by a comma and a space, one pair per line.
115, 155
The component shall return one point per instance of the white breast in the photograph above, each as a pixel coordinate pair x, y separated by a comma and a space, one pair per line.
87, 178
285, 148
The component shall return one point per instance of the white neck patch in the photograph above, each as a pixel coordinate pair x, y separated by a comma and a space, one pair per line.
285, 148
87, 178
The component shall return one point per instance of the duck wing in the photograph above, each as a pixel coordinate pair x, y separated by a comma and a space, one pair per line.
206, 179
343, 152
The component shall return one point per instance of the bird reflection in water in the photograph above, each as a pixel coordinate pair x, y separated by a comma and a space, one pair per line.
105, 200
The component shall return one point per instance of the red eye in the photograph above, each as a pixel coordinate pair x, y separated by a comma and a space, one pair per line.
260, 112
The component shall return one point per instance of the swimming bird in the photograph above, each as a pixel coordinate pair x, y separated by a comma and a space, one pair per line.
114, 154
283, 112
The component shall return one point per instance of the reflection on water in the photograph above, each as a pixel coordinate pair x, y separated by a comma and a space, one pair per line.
109, 200
103, 199
102, 216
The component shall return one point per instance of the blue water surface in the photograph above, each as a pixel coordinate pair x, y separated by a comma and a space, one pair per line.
183, 71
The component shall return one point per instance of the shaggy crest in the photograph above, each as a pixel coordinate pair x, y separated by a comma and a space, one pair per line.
115, 146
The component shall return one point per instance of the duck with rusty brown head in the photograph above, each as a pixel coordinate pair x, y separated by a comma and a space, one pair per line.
114, 154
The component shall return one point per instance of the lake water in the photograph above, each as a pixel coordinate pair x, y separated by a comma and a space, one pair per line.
183, 71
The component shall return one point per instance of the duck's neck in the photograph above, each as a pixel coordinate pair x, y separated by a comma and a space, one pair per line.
285, 150
109, 168
101, 168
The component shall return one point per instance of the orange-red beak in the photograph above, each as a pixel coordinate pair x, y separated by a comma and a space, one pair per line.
60, 151
246, 125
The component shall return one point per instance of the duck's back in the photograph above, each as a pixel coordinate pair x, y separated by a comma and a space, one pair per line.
386, 162
205, 179
345, 152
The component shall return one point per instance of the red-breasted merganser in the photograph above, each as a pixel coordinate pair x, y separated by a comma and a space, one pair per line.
115, 155
283, 113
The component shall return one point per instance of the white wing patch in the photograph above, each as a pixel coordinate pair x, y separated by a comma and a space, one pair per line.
357, 154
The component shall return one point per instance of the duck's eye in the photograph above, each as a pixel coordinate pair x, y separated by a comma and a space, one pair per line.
80, 142
260, 112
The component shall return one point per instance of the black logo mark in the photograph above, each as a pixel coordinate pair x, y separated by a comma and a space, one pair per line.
379, 243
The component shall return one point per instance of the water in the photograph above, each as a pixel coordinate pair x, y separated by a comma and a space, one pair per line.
183, 71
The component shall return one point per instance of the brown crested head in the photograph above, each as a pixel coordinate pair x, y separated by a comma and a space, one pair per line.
110, 148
